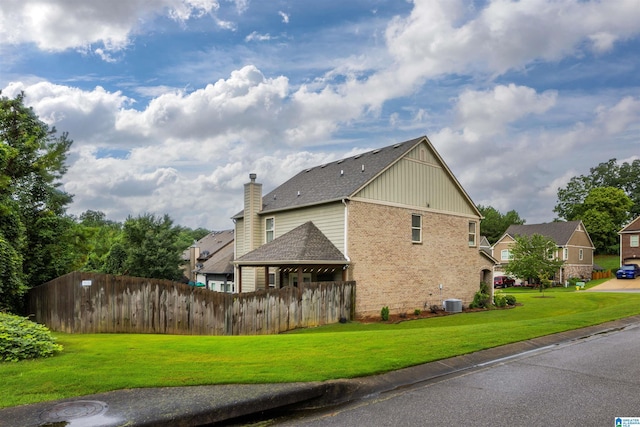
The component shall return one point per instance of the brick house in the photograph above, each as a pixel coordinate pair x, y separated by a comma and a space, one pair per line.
630, 243
395, 220
574, 247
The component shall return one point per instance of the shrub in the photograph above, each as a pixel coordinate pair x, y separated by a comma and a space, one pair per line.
500, 300
417, 312
511, 299
21, 338
384, 313
482, 298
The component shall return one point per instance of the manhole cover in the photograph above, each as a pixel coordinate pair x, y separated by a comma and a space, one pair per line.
74, 410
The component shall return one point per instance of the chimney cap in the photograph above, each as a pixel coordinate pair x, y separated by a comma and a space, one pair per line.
252, 177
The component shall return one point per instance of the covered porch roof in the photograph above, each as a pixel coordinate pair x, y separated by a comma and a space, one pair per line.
303, 248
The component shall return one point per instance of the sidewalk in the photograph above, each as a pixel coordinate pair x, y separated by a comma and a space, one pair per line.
193, 406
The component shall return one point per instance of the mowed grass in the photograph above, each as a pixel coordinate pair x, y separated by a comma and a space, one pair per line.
102, 362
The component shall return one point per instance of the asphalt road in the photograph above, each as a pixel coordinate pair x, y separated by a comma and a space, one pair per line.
586, 382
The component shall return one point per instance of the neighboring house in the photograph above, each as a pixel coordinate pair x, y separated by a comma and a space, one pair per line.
574, 247
395, 220
630, 243
209, 261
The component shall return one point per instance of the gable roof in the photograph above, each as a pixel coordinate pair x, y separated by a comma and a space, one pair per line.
210, 244
559, 232
343, 178
632, 227
219, 263
304, 244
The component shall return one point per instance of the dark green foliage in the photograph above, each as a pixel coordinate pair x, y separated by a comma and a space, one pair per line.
21, 339
417, 312
500, 300
151, 247
384, 313
510, 299
482, 298
38, 240
573, 204
494, 224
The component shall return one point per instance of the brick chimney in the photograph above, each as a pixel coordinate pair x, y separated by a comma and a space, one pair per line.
252, 206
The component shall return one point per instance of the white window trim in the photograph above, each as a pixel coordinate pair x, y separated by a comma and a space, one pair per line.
419, 228
565, 254
637, 241
509, 257
474, 234
581, 254
272, 229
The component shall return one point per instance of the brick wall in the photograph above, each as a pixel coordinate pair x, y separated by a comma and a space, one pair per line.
392, 271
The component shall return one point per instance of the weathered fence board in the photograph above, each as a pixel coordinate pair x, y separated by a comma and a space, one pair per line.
122, 304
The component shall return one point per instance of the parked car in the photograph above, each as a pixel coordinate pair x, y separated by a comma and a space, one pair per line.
628, 271
503, 282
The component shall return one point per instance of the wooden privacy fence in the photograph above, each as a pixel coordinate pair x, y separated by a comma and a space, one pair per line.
604, 274
91, 303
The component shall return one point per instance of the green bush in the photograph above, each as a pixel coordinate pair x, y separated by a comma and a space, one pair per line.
511, 299
417, 312
21, 338
500, 300
384, 313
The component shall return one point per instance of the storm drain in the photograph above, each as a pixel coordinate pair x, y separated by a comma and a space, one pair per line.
74, 410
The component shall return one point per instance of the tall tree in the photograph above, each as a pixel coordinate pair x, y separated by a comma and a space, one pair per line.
151, 247
533, 257
494, 223
32, 162
625, 176
604, 212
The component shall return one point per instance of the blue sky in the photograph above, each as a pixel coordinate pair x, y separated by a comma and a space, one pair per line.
172, 103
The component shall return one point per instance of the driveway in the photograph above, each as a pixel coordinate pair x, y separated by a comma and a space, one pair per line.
624, 285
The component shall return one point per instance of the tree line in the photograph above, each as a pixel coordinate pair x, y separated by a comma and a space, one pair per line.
39, 241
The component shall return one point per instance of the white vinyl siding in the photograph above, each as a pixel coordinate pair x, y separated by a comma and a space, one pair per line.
419, 183
329, 218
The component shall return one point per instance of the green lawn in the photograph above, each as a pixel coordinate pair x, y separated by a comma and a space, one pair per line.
102, 362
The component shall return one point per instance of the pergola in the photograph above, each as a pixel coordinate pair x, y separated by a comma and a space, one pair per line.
305, 249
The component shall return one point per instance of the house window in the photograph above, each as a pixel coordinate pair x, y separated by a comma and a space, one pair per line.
269, 229
472, 233
634, 241
581, 255
565, 254
505, 255
416, 228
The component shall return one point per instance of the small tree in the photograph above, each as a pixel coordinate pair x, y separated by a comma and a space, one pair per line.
534, 257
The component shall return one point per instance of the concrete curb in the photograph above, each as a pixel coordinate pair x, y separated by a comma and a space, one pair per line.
201, 405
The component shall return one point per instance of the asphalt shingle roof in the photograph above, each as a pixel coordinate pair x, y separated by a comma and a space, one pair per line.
210, 244
335, 180
303, 244
559, 232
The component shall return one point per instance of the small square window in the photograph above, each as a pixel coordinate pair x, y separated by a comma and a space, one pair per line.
416, 228
505, 255
634, 240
